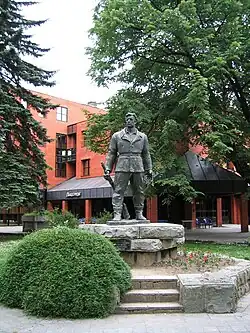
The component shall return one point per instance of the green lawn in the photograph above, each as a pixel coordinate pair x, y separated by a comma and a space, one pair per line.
236, 251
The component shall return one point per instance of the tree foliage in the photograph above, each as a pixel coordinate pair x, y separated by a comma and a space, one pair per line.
22, 164
185, 66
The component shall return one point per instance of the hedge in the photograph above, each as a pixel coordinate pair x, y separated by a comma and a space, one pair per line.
64, 272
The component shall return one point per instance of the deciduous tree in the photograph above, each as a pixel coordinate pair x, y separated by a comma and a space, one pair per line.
185, 67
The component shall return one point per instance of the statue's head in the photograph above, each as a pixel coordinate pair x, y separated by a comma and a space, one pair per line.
130, 119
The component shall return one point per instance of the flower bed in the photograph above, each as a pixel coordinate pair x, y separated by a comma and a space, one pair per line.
195, 262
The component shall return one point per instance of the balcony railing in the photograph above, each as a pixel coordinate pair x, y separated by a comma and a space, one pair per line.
71, 129
71, 155
65, 155
61, 155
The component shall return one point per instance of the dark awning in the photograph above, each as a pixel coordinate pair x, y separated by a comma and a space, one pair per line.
86, 188
212, 179
206, 177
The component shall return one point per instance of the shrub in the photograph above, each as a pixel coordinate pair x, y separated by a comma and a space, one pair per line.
57, 218
103, 217
64, 272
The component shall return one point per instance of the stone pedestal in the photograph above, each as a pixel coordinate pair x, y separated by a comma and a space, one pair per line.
142, 244
32, 223
127, 222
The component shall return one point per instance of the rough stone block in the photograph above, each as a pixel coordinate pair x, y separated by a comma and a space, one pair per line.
169, 243
161, 231
146, 245
113, 231
173, 252
191, 293
141, 259
220, 298
127, 222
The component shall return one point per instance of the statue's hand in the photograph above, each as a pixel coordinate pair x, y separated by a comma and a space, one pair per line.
106, 174
149, 174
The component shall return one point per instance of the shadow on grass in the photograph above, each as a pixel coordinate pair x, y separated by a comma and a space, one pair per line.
9, 237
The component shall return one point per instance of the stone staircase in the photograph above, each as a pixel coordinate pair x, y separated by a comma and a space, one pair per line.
151, 294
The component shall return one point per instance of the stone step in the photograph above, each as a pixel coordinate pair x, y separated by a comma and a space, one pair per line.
155, 282
126, 308
151, 295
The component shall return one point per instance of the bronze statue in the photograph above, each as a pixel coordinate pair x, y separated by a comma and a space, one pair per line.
129, 152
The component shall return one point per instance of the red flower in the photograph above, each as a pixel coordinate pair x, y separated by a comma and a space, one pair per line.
191, 256
205, 258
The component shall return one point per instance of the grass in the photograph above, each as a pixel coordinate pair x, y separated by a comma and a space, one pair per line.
231, 250
10, 237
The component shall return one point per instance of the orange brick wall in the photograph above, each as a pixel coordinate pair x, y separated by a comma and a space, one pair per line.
53, 126
83, 153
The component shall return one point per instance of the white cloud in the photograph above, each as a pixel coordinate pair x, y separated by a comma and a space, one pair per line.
66, 33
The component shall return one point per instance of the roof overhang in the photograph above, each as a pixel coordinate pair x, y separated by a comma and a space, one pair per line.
85, 188
211, 179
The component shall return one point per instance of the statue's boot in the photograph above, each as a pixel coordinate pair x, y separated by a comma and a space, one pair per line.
139, 215
117, 216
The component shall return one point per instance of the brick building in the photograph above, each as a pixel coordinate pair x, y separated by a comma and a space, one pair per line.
75, 180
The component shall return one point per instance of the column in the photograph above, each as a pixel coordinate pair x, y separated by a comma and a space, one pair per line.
238, 210
149, 208
152, 209
88, 210
64, 205
234, 218
219, 212
49, 206
193, 214
244, 213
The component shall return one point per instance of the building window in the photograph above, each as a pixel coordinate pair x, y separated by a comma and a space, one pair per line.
62, 113
83, 139
61, 141
61, 170
85, 167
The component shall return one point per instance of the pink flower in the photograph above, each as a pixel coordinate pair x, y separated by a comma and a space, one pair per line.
205, 258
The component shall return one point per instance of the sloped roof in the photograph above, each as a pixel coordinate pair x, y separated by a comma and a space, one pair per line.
212, 179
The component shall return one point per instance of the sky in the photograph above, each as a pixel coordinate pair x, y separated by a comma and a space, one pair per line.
66, 33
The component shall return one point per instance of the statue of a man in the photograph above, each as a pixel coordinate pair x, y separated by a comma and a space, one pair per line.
129, 152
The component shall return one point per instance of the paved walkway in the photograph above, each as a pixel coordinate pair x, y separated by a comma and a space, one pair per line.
15, 321
228, 233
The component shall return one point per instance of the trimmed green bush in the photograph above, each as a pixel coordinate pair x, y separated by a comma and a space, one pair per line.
64, 272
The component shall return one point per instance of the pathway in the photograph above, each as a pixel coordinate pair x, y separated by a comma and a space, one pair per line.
14, 321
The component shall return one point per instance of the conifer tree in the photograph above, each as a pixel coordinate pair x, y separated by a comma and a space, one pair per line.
22, 164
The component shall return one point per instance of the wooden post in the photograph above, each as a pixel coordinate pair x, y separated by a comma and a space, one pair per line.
49, 206
64, 205
244, 213
234, 218
193, 214
238, 210
219, 212
88, 211
149, 208
152, 209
